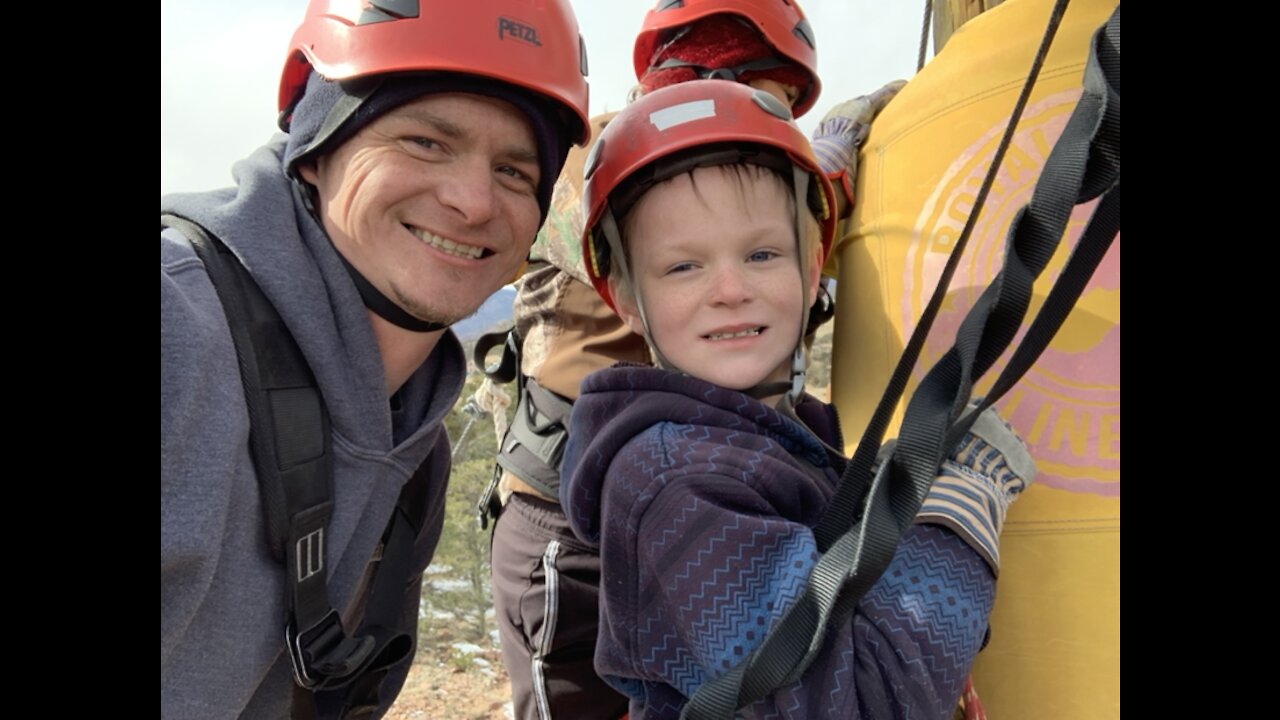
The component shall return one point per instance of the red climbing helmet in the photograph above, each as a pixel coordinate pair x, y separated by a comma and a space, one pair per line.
535, 46
781, 22
675, 129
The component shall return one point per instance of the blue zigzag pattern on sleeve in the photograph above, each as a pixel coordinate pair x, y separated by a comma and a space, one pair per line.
742, 577
746, 593
932, 604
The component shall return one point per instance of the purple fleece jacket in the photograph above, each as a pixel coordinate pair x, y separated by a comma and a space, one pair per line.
702, 501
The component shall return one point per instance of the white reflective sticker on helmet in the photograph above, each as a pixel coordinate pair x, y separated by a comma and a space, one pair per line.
670, 117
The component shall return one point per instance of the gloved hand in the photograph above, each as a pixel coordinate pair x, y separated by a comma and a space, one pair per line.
840, 134
984, 474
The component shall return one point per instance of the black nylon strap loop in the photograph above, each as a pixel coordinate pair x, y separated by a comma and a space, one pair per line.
847, 502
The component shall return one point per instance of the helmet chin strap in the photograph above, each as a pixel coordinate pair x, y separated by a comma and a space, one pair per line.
790, 391
382, 306
768, 390
609, 224
800, 183
373, 298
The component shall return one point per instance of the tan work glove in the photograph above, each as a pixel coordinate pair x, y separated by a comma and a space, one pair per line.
842, 131
978, 482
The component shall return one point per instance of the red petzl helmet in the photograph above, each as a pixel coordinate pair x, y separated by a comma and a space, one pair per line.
673, 130
532, 45
781, 22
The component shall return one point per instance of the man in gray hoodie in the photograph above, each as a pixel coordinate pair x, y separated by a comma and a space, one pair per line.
421, 150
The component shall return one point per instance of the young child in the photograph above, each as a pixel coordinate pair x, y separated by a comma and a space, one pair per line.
544, 580
708, 219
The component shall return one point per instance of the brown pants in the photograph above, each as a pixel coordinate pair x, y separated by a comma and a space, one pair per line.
545, 590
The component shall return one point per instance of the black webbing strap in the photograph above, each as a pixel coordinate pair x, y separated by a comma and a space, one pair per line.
508, 366
854, 483
1084, 163
383, 619
1093, 244
504, 371
863, 531
533, 446
289, 440
288, 421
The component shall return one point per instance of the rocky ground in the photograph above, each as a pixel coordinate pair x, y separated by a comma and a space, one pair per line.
440, 689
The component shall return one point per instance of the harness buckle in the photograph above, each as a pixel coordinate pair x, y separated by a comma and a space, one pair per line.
323, 655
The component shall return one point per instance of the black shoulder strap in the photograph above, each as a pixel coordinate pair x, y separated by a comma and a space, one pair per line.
288, 421
862, 525
290, 443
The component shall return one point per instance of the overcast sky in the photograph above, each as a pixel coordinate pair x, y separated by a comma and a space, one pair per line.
220, 69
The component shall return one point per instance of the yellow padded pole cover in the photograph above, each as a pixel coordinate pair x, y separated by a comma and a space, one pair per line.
1055, 647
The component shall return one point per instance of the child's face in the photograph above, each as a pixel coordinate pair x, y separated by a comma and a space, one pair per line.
716, 263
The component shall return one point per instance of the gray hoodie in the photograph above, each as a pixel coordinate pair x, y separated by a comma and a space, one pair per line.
222, 612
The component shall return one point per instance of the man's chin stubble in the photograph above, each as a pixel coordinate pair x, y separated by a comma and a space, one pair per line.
432, 315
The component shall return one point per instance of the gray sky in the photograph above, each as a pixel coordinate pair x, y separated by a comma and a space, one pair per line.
220, 69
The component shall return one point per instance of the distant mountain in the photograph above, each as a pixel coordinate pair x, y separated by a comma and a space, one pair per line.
494, 313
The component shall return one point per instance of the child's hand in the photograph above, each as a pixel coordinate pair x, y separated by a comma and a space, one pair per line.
992, 449
984, 474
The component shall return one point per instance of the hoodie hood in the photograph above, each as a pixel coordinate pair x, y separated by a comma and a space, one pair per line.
620, 403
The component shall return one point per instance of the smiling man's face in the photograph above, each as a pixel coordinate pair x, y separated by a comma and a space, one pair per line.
435, 202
